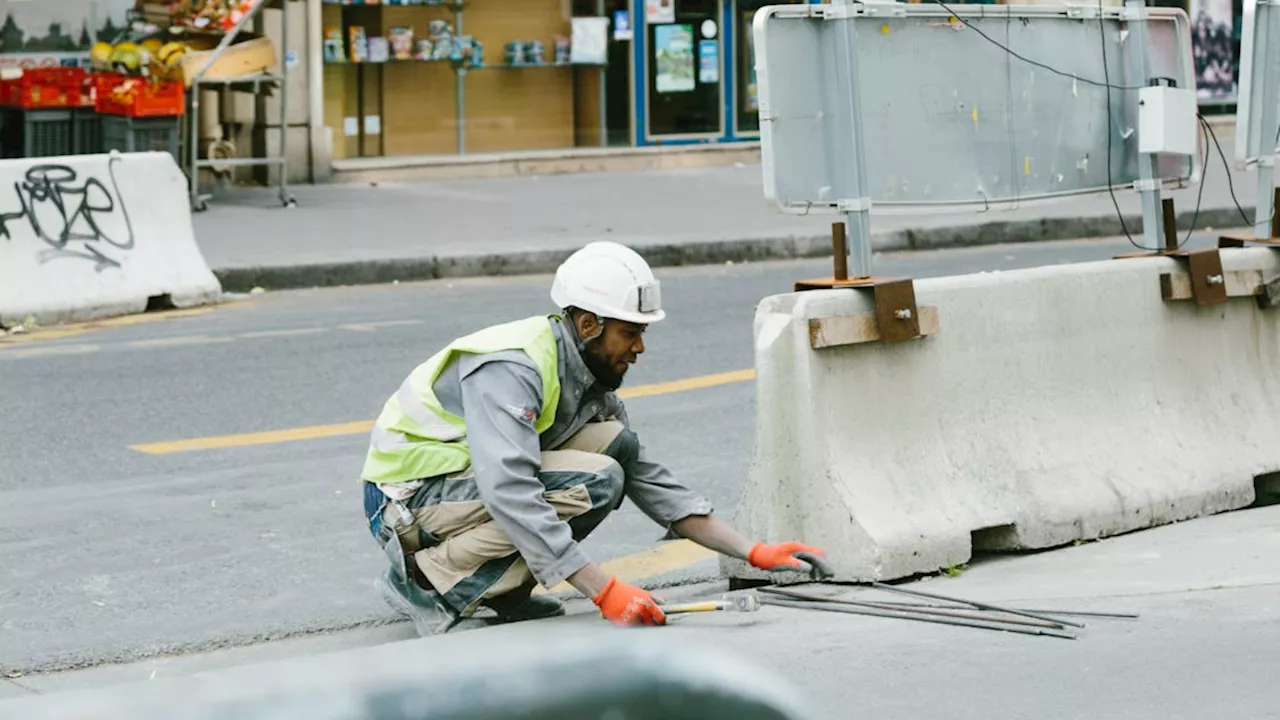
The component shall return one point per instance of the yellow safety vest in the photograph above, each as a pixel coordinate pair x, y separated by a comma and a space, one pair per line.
415, 437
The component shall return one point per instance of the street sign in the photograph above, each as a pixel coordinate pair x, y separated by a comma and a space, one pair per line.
1257, 118
937, 114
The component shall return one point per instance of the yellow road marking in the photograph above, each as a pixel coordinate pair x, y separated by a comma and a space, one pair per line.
283, 333
664, 558
693, 383
258, 438
59, 332
184, 340
360, 427
80, 349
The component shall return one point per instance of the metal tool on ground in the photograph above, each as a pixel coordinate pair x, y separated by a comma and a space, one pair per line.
903, 607
973, 603
729, 603
832, 607
1079, 613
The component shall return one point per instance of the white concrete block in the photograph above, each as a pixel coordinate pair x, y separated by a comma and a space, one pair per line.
96, 235
1054, 404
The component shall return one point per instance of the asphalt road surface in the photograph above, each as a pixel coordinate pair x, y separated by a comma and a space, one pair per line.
111, 553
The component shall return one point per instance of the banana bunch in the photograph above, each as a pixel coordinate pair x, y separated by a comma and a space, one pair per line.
169, 55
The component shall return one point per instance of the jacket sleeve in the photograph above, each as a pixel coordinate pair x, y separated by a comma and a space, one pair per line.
653, 487
501, 401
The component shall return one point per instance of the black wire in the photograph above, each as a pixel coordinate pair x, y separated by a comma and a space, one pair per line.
1087, 81
1227, 166
1204, 176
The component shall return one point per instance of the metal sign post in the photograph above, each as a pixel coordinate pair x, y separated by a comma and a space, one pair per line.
857, 208
1148, 183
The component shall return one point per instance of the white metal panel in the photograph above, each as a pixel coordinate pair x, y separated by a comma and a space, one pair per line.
947, 116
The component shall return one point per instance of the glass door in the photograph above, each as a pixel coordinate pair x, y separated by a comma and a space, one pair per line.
683, 52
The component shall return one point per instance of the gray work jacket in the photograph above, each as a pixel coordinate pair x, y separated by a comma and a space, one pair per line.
498, 395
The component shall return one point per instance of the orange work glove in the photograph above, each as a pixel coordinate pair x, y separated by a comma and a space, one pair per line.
624, 604
779, 557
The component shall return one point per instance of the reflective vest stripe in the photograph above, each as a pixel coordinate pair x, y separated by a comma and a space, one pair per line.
432, 421
416, 438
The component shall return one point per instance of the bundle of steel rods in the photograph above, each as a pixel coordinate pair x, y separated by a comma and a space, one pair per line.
965, 613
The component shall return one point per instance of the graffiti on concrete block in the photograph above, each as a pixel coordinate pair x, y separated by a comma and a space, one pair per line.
76, 217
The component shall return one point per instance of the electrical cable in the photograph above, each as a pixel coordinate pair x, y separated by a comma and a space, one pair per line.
1227, 166
1055, 71
1110, 124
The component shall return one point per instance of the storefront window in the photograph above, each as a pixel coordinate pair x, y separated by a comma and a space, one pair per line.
684, 80
485, 76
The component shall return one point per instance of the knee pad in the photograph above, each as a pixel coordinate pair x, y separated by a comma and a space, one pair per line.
625, 448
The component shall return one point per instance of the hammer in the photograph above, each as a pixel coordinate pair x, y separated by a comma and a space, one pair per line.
730, 603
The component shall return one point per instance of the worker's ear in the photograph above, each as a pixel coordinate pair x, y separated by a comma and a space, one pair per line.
588, 324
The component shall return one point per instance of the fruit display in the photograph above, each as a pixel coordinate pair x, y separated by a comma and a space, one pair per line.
157, 56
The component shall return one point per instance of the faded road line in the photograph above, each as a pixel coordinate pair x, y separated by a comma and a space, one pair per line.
361, 427
44, 351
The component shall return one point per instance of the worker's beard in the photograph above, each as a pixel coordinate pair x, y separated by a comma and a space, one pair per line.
600, 367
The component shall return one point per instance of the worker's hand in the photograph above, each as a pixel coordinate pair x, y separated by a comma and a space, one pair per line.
781, 556
624, 604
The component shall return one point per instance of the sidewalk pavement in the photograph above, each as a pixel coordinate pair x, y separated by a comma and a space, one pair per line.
1206, 591
360, 233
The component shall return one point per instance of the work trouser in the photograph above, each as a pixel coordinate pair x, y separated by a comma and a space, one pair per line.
458, 546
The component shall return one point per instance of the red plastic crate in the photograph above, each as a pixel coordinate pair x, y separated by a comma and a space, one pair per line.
145, 97
45, 88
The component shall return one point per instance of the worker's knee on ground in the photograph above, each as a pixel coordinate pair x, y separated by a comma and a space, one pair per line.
625, 448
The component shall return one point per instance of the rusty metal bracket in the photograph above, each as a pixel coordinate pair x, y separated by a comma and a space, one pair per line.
896, 317
1208, 281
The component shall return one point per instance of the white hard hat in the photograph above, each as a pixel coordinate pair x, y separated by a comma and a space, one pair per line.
610, 280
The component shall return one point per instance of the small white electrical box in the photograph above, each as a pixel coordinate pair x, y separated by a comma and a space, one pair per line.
1167, 120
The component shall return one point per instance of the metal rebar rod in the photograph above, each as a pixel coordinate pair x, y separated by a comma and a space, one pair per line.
972, 603
1083, 613
830, 607
902, 607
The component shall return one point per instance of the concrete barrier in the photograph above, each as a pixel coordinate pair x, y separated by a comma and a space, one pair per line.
97, 235
1052, 404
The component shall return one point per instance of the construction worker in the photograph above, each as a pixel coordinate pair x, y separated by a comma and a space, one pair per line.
502, 451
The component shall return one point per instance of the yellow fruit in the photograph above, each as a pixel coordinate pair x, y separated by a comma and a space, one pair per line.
171, 53
101, 53
152, 45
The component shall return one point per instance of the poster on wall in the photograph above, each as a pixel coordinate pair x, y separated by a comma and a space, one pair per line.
657, 12
589, 41
708, 61
673, 58
1213, 48
57, 32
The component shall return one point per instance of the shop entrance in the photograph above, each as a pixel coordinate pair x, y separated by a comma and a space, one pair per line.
684, 70
619, 112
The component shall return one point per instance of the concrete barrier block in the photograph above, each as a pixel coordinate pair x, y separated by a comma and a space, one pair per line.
1053, 404
91, 236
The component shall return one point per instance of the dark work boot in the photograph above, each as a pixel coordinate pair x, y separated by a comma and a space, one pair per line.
428, 611
521, 605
